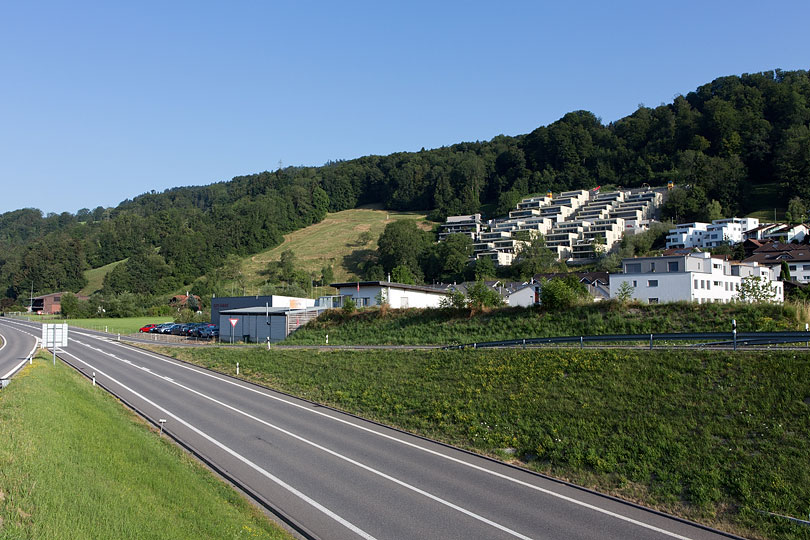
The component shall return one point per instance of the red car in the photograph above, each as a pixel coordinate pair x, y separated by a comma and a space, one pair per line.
147, 328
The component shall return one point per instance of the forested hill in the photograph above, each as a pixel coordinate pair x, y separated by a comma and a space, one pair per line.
722, 141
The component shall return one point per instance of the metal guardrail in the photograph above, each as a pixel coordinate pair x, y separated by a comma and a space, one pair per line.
704, 339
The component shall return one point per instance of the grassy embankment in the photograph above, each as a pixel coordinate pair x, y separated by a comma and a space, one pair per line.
437, 326
712, 436
337, 240
75, 464
95, 277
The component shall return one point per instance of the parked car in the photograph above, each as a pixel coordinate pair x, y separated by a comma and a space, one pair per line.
209, 332
170, 329
159, 329
191, 329
179, 329
196, 332
147, 328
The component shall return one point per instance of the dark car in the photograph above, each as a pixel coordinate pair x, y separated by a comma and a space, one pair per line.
191, 329
160, 329
196, 332
179, 329
170, 329
209, 332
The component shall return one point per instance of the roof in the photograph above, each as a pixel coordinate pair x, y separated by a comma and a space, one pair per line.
260, 310
421, 288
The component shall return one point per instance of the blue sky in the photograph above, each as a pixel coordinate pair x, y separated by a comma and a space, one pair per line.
103, 101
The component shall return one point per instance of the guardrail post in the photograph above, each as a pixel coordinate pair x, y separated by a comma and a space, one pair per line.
734, 336
651, 340
524, 343
581, 342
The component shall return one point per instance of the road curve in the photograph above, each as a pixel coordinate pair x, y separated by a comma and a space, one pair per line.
332, 475
17, 345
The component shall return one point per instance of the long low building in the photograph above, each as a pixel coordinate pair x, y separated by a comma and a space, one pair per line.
262, 324
397, 295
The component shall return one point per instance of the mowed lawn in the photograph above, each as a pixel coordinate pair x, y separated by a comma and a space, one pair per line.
336, 240
74, 463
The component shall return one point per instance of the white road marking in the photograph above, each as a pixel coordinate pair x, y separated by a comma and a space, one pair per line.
16, 368
238, 456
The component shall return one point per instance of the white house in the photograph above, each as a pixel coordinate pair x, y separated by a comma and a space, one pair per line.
695, 277
397, 295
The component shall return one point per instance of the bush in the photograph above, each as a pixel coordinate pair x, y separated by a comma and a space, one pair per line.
349, 305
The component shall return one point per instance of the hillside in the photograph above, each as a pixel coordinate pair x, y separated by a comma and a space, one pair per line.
338, 240
95, 277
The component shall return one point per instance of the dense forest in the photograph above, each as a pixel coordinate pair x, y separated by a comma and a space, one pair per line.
718, 143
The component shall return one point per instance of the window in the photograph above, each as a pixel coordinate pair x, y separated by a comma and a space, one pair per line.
792, 267
672, 266
653, 300
806, 267
696, 284
632, 268
635, 283
702, 284
652, 283
652, 267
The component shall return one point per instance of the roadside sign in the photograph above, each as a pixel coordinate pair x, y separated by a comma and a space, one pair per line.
233, 322
54, 335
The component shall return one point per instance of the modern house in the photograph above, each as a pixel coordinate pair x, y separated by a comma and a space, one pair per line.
694, 277
397, 295
711, 235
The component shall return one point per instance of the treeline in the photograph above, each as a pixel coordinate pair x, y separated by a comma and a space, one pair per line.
718, 144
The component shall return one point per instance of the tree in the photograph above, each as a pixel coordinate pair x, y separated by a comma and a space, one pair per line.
402, 243
784, 274
754, 289
796, 211
625, 292
484, 269
560, 293
714, 211
327, 275
69, 305
534, 258
481, 297
403, 274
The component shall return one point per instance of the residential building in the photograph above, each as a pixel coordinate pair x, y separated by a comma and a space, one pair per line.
50, 304
471, 225
397, 295
771, 254
694, 277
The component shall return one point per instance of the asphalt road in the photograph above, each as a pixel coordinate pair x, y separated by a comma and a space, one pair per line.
335, 476
17, 344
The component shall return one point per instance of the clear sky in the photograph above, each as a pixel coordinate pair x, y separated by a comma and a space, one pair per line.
103, 101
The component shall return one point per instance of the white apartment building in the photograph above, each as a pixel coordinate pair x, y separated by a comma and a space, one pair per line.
696, 277
471, 225
711, 235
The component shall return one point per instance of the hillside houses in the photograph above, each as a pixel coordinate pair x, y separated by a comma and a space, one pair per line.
732, 231
575, 224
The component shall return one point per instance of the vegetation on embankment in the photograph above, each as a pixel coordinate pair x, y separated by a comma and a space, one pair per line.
75, 464
712, 436
447, 326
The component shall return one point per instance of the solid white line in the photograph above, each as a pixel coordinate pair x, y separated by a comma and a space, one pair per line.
345, 458
5, 342
415, 446
241, 458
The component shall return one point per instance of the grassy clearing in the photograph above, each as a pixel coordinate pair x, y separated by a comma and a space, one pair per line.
75, 464
711, 436
335, 240
445, 326
95, 277
125, 325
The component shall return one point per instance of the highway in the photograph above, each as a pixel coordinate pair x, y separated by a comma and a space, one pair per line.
330, 475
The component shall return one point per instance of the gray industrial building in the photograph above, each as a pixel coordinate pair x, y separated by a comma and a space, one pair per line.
222, 303
257, 324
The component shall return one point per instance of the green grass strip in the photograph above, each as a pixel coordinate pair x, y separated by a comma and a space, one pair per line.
712, 436
74, 463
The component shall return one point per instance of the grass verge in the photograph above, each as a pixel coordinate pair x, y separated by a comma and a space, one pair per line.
711, 436
75, 464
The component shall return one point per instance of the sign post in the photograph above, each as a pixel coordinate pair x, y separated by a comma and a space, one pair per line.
233, 325
53, 336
